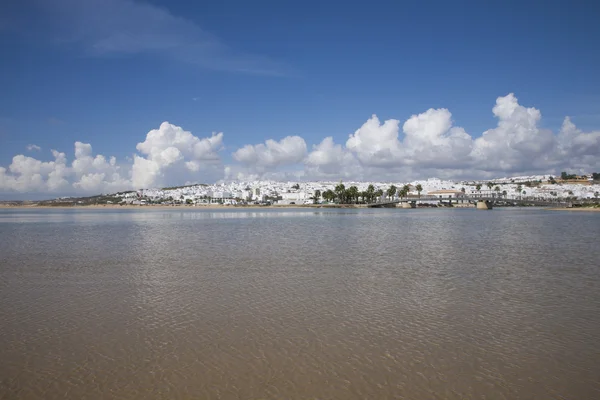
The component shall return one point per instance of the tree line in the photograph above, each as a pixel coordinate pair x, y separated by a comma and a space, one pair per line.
351, 195
567, 177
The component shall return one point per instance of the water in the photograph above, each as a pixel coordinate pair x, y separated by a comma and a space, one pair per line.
337, 304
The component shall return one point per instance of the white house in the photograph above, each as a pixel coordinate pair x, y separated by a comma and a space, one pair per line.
446, 194
294, 197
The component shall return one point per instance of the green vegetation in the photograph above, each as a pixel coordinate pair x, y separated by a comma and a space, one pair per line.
391, 191
82, 201
352, 194
328, 196
316, 196
419, 189
340, 193
565, 177
404, 191
184, 186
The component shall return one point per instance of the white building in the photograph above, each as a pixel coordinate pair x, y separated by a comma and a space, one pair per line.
446, 194
293, 198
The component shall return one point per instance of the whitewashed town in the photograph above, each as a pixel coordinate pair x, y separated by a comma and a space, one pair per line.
565, 187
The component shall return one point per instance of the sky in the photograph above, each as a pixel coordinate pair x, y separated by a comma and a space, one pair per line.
107, 95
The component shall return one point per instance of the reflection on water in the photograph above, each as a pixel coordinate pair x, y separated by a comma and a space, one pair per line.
416, 304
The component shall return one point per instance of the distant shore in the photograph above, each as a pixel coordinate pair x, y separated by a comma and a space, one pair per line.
162, 206
590, 209
228, 207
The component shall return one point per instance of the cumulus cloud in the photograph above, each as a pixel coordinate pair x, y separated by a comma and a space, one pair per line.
169, 151
426, 144
431, 141
271, 154
96, 173
430, 144
33, 147
517, 143
375, 143
577, 149
27, 174
330, 160
168, 154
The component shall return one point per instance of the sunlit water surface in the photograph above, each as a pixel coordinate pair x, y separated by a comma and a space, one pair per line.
359, 304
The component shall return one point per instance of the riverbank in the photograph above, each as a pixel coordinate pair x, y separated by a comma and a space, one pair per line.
162, 206
589, 209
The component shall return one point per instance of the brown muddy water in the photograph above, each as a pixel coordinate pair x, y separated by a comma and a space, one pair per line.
297, 304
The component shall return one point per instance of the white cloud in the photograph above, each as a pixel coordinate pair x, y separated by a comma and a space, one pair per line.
271, 154
33, 147
517, 143
94, 174
27, 174
376, 144
167, 155
431, 141
577, 149
85, 174
330, 160
430, 144
170, 152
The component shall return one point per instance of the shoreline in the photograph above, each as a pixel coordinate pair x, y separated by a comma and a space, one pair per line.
589, 209
160, 206
245, 207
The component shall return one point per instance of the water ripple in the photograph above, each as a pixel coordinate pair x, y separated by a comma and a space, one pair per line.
428, 304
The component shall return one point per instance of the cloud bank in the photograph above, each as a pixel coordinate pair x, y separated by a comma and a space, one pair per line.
168, 154
426, 144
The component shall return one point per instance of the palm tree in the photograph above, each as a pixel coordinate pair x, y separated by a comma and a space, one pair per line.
316, 196
497, 190
379, 193
419, 189
504, 193
391, 191
403, 192
406, 189
352, 193
490, 185
478, 187
364, 196
370, 193
340, 191
462, 189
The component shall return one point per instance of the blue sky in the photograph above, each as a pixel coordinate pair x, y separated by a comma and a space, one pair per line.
108, 72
